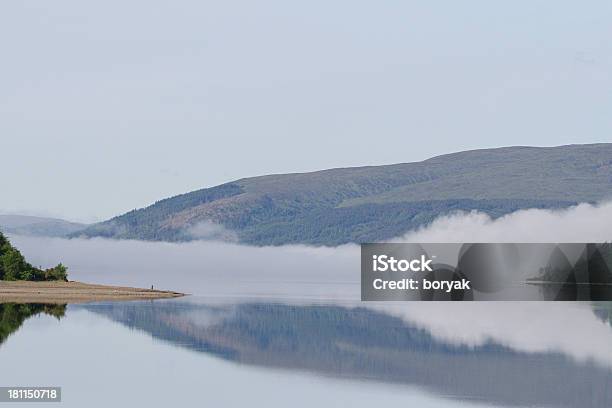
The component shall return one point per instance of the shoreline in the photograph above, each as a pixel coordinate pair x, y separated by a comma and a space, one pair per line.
55, 292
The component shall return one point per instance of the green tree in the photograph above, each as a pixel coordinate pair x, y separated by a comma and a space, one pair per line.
4, 246
60, 272
12, 264
27, 274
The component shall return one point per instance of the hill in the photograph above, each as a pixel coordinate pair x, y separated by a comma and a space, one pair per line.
39, 226
362, 204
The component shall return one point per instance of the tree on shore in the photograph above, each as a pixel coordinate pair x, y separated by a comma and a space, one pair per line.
13, 266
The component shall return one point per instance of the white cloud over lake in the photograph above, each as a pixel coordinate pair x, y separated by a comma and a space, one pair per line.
582, 223
300, 275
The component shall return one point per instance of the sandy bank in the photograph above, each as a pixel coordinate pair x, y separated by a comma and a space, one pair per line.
73, 292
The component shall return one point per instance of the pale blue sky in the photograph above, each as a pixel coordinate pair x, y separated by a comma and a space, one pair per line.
107, 106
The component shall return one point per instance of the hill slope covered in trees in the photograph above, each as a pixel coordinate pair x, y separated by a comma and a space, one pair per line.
373, 203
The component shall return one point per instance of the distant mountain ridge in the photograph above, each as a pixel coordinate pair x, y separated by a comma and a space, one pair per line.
361, 204
38, 226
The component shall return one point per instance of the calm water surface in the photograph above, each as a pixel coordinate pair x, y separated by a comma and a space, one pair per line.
233, 353
291, 333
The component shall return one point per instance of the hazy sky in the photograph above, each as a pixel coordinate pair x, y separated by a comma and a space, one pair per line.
108, 106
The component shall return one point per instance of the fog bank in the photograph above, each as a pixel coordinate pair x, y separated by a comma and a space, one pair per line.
299, 274
582, 223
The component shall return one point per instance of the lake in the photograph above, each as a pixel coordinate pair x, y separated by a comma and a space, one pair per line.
292, 333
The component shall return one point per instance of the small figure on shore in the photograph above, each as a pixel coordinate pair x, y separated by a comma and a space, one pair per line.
151, 287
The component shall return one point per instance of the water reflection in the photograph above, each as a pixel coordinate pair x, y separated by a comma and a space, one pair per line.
354, 342
13, 315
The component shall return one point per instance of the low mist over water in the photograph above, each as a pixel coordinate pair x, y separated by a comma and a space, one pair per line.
205, 268
581, 223
303, 275
215, 268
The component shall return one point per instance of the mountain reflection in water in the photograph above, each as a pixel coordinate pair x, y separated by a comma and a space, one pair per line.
355, 342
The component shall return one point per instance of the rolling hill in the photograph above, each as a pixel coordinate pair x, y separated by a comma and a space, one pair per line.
38, 226
362, 204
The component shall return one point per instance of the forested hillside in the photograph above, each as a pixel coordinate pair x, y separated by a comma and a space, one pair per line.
374, 203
